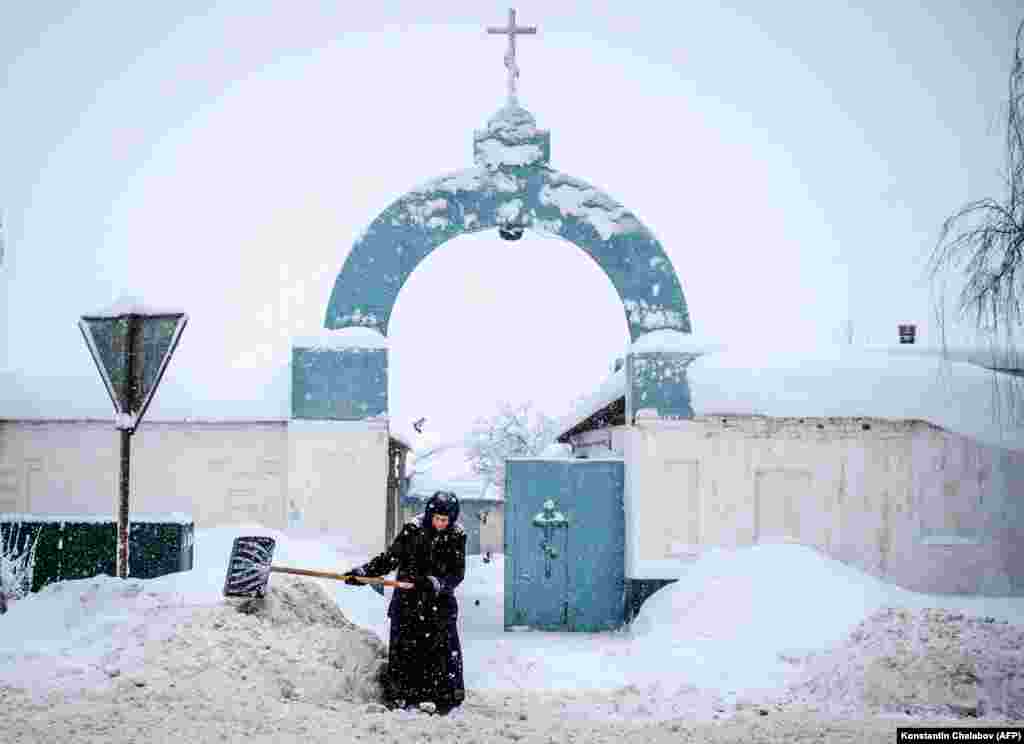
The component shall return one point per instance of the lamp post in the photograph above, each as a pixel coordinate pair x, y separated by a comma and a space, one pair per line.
131, 345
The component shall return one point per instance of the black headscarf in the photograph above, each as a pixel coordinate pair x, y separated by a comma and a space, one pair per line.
442, 502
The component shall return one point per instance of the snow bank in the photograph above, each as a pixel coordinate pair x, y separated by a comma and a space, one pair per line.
767, 623
80, 635
734, 615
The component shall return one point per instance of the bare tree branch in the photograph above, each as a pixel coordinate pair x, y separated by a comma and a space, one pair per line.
984, 240
516, 431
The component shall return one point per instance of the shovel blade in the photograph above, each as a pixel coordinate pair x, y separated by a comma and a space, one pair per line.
249, 566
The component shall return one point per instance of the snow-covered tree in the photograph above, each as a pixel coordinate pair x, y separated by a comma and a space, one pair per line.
515, 431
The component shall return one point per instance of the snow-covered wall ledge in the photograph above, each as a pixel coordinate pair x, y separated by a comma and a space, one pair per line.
356, 337
92, 518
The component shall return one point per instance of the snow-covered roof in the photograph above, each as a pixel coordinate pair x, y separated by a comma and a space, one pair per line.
993, 357
847, 381
130, 305
840, 381
343, 338
613, 388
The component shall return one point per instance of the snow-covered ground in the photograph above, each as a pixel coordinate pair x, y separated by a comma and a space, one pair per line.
774, 639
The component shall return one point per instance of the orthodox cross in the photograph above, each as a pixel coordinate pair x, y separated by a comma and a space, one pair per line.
549, 520
510, 56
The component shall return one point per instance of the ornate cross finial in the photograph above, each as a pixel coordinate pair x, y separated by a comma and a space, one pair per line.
510, 56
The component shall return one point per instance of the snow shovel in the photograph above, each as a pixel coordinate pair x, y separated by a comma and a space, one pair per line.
249, 569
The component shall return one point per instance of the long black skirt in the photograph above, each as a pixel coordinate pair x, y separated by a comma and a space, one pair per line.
424, 661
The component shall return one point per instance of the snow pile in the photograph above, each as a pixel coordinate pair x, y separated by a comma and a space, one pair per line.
758, 638
317, 653
731, 615
289, 600
923, 662
79, 635
297, 548
736, 619
85, 634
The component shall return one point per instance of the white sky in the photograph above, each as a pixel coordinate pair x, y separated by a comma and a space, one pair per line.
794, 160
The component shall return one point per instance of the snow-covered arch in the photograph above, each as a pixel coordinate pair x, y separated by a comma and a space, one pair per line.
510, 188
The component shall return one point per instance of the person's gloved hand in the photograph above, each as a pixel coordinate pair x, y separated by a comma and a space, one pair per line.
427, 584
354, 572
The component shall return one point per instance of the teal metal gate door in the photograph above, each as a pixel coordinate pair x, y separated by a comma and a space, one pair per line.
564, 544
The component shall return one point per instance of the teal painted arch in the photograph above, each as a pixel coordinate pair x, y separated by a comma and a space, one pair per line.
510, 186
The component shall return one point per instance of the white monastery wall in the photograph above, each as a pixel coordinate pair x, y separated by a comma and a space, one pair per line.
608, 442
337, 479
219, 472
904, 500
328, 476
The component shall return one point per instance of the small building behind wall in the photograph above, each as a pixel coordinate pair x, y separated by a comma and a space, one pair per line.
481, 511
886, 462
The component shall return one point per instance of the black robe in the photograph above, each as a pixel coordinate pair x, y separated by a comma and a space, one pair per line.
424, 653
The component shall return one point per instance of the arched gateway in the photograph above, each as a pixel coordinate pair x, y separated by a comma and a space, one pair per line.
510, 188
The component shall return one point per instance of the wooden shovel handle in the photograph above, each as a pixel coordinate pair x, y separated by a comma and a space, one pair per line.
342, 577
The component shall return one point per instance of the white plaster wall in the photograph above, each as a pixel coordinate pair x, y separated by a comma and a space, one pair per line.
219, 472
492, 534
927, 509
337, 478
609, 442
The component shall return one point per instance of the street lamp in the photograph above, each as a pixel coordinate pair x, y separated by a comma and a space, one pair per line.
131, 345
